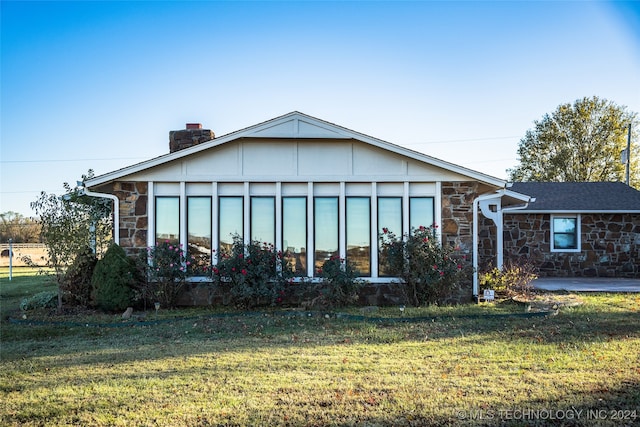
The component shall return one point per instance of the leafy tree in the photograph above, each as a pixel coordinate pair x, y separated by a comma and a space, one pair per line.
18, 228
579, 142
69, 224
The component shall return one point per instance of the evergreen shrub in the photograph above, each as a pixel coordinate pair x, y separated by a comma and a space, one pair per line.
114, 279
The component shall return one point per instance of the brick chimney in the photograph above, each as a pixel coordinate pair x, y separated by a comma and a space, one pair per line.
192, 135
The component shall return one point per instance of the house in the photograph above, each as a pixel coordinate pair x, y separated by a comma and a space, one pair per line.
576, 229
313, 188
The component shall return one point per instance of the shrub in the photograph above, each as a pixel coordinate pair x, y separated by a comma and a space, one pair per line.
76, 284
253, 274
167, 271
114, 279
45, 299
514, 279
430, 272
340, 283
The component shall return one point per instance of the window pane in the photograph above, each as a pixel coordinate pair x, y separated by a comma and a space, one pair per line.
359, 234
420, 212
263, 219
564, 241
565, 233
168, 219
564, 225
231, 221
325, 229
390, 214
199, 230
294, 233
390, 218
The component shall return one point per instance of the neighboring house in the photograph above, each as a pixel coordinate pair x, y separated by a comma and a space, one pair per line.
310, 187
576, 229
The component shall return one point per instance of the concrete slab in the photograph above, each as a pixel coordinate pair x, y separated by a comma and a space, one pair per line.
587, 284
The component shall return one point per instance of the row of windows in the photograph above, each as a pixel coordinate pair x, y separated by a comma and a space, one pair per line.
294, 226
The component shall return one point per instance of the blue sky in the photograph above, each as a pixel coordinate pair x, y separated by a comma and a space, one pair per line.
100, 84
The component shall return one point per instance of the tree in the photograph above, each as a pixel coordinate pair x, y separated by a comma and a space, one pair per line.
18, 228
69, 224
579, 142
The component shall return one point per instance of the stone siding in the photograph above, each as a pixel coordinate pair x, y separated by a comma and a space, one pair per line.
487, 250
457, 215
610, 245
134, 219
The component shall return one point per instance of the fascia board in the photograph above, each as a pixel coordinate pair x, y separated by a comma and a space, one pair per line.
518, 196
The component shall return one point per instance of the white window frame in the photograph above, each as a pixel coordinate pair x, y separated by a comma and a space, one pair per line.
578, 233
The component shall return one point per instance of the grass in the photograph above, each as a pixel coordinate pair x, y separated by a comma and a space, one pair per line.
25, 281
454, 368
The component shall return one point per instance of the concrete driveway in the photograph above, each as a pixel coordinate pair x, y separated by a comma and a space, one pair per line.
587, 284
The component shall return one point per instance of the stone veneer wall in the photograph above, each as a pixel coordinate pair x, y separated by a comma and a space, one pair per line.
457, 215
610, 245
487, 251
134, 218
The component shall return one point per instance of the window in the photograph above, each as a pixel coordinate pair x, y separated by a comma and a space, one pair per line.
420, 212
325, 229
566, 237
231, 221
359, 234
168, 219
199, 230
263, 220
294, 233
390, 219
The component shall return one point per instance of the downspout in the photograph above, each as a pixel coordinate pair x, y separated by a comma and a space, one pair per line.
476, 204
498, 219
116, 210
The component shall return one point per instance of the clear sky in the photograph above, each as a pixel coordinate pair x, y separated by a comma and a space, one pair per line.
100, 84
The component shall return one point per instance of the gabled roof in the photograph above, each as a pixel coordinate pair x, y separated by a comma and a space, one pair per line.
579, 197
295, 125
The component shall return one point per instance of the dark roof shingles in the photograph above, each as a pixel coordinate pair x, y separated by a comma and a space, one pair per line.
579, 196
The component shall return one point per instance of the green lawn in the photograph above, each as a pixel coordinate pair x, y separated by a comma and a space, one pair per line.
453, 367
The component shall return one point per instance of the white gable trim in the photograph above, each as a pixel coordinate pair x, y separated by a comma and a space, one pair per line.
295, 125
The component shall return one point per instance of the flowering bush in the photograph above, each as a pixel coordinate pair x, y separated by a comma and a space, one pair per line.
254, 274
340, 284
429, 271
167, 270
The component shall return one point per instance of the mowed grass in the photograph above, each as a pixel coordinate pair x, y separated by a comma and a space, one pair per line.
24, 282
454, 367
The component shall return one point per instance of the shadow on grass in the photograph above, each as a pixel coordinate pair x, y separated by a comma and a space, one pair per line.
201, 349
241, 331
